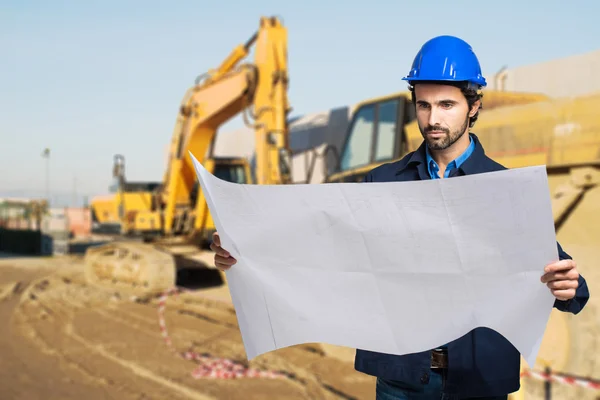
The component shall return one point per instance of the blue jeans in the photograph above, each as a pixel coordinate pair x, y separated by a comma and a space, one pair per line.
394, 390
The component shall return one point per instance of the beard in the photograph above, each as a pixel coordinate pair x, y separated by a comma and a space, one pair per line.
445, 141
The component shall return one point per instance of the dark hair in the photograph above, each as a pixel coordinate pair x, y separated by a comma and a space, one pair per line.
471, 93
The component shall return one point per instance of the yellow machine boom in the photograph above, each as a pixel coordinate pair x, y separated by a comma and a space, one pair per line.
178, 213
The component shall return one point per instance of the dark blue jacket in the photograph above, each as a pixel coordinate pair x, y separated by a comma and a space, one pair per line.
482, 362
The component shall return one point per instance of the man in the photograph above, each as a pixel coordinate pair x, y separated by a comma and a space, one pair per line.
446, 82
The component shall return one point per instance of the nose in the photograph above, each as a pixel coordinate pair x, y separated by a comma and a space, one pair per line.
434, 117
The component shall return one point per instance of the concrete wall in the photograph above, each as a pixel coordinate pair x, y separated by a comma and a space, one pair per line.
570, 76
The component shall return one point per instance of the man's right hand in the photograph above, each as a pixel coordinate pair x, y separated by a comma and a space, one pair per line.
223, 260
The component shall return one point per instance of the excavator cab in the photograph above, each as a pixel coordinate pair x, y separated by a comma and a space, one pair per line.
376, 135
230, 169
236, 170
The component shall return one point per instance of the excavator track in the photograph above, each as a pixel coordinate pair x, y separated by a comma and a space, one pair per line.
136, 267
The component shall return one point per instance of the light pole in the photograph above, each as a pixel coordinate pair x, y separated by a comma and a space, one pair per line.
46, 155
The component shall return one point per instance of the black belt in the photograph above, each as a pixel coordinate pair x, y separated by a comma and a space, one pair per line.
439, 358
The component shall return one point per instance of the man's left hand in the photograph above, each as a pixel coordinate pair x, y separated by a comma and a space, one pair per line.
562, 279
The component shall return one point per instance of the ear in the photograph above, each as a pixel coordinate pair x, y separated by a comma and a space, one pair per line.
475, 108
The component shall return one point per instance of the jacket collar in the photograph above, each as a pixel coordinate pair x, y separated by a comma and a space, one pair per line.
471, 165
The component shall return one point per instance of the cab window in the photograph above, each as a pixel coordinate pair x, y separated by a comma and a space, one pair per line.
358, 146
231, 173
387, 117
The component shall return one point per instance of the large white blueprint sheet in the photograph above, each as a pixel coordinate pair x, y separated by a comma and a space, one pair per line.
395, 267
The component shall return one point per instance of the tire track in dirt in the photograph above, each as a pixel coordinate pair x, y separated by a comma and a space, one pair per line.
136, 369
182, 333
125, 334
9, 289
78, 352
81, 356
218, 313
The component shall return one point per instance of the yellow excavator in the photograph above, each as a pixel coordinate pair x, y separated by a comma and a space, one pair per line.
173, 214
517, 130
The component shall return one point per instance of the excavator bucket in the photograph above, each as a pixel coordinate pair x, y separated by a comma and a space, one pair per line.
137, 267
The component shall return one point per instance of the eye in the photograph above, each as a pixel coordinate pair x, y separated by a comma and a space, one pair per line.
423, 105
447, 105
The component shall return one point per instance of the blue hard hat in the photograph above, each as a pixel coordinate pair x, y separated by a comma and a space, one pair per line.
446, 58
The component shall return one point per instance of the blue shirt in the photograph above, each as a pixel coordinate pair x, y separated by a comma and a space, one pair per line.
433, 167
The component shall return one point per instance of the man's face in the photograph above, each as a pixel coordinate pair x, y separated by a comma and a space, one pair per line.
442, 114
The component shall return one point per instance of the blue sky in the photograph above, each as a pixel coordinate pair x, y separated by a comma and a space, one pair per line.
93, 78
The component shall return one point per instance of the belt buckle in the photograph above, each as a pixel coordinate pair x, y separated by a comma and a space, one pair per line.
439, 359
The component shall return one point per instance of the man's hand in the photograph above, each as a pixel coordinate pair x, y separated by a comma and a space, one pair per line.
223, 259
562, 279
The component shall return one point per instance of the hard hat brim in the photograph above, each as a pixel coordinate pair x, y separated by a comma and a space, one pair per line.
477, 81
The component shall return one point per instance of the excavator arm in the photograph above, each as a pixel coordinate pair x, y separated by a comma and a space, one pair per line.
259, 89
177, 209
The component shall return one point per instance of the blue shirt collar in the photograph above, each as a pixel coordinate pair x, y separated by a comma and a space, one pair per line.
433, 167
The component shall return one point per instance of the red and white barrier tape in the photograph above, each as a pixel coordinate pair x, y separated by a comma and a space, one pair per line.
209, 367
562, 379
222, 368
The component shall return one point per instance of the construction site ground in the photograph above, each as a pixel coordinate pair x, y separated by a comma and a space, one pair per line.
62, 339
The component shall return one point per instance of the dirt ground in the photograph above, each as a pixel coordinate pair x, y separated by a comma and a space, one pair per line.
62, 339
